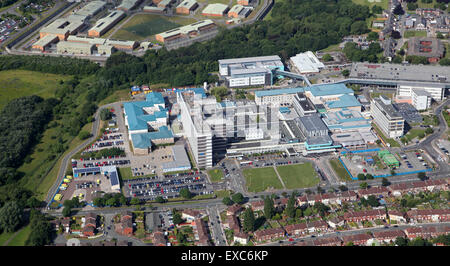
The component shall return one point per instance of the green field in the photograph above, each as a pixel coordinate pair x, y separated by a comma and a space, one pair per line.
414, 133
260, 179
383, 3
4, 237
142, 26
216, 175
340, 170
125, 173
19, 83
298, 175
415, 33
21, 237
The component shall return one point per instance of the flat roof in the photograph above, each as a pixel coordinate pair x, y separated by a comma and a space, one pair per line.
313, 122
187, 4
236, 9
91, 8
400, 72
307, 62
186, 29
128, 4
279, 92
344, 102
180, 158
329, 89
63, 25
387, 109
78, 45
46, 40
107, 21
250, 59
217, 9
143, 140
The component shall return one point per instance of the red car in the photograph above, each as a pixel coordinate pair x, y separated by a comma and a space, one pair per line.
364, 170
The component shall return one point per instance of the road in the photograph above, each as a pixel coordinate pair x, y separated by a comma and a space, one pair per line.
66, 159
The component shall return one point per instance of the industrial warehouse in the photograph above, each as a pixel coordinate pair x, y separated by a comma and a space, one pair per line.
186, 32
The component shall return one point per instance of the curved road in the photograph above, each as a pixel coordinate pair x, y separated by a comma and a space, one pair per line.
68, 156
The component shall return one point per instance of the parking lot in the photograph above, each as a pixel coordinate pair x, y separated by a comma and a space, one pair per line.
370, 163
167, 187
86, 187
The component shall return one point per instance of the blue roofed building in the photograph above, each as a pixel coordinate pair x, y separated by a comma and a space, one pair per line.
143, 142
346, 120
147, 122
345, 101
327, 92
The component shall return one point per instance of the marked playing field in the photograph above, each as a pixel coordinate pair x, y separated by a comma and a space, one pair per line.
142, 26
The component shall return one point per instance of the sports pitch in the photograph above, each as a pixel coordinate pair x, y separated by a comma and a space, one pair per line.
142, 26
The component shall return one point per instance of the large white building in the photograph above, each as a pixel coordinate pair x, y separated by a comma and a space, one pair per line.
250, 71
421, 99
306, 63
388, 120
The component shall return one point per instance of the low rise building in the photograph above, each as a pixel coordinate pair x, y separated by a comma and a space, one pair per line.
306, 63
441, 215
357, 239
106, 23
268, 234
186, 7
127, 5
186, 32
215, 10
43, 43
388, 236
74, 48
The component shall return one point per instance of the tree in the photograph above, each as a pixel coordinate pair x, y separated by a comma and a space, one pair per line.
419, 242
290, 207
369, 176
422, 176
238, 198
359, 27
412, 6
396, 34
160, 199
33, 202
84, 135
345, 72
320, 190
439, 35
404, 140
327, 58
385, 182
377, 9
307, 212
105, 114
99, 202
111, 202
398, 10
177, 218
429, 130
298, 213
227, 201
321, 208
444, 62
41, 230
10, 216
372, 36
185, 193
66, 211
372, 201
363, 185
361, 176
269, 209
219, 93
401, 241
135, 201
343, 188
249, 220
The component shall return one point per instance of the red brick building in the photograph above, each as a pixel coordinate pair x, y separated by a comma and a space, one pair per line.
269, 234
365, 215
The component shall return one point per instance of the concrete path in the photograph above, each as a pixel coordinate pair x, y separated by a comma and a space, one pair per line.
279, 177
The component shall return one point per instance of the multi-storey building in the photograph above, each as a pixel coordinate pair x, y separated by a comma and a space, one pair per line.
388, 120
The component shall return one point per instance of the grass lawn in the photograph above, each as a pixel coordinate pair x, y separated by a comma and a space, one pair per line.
383, 3
332, 48
426, 5
142, 26
117, 96
377, 94
21, 237
447, 50
19, 83
340, 170
415, 33
415, 132
260, 179
125, 173
4, 237
298, 175
222, 193
216, 175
